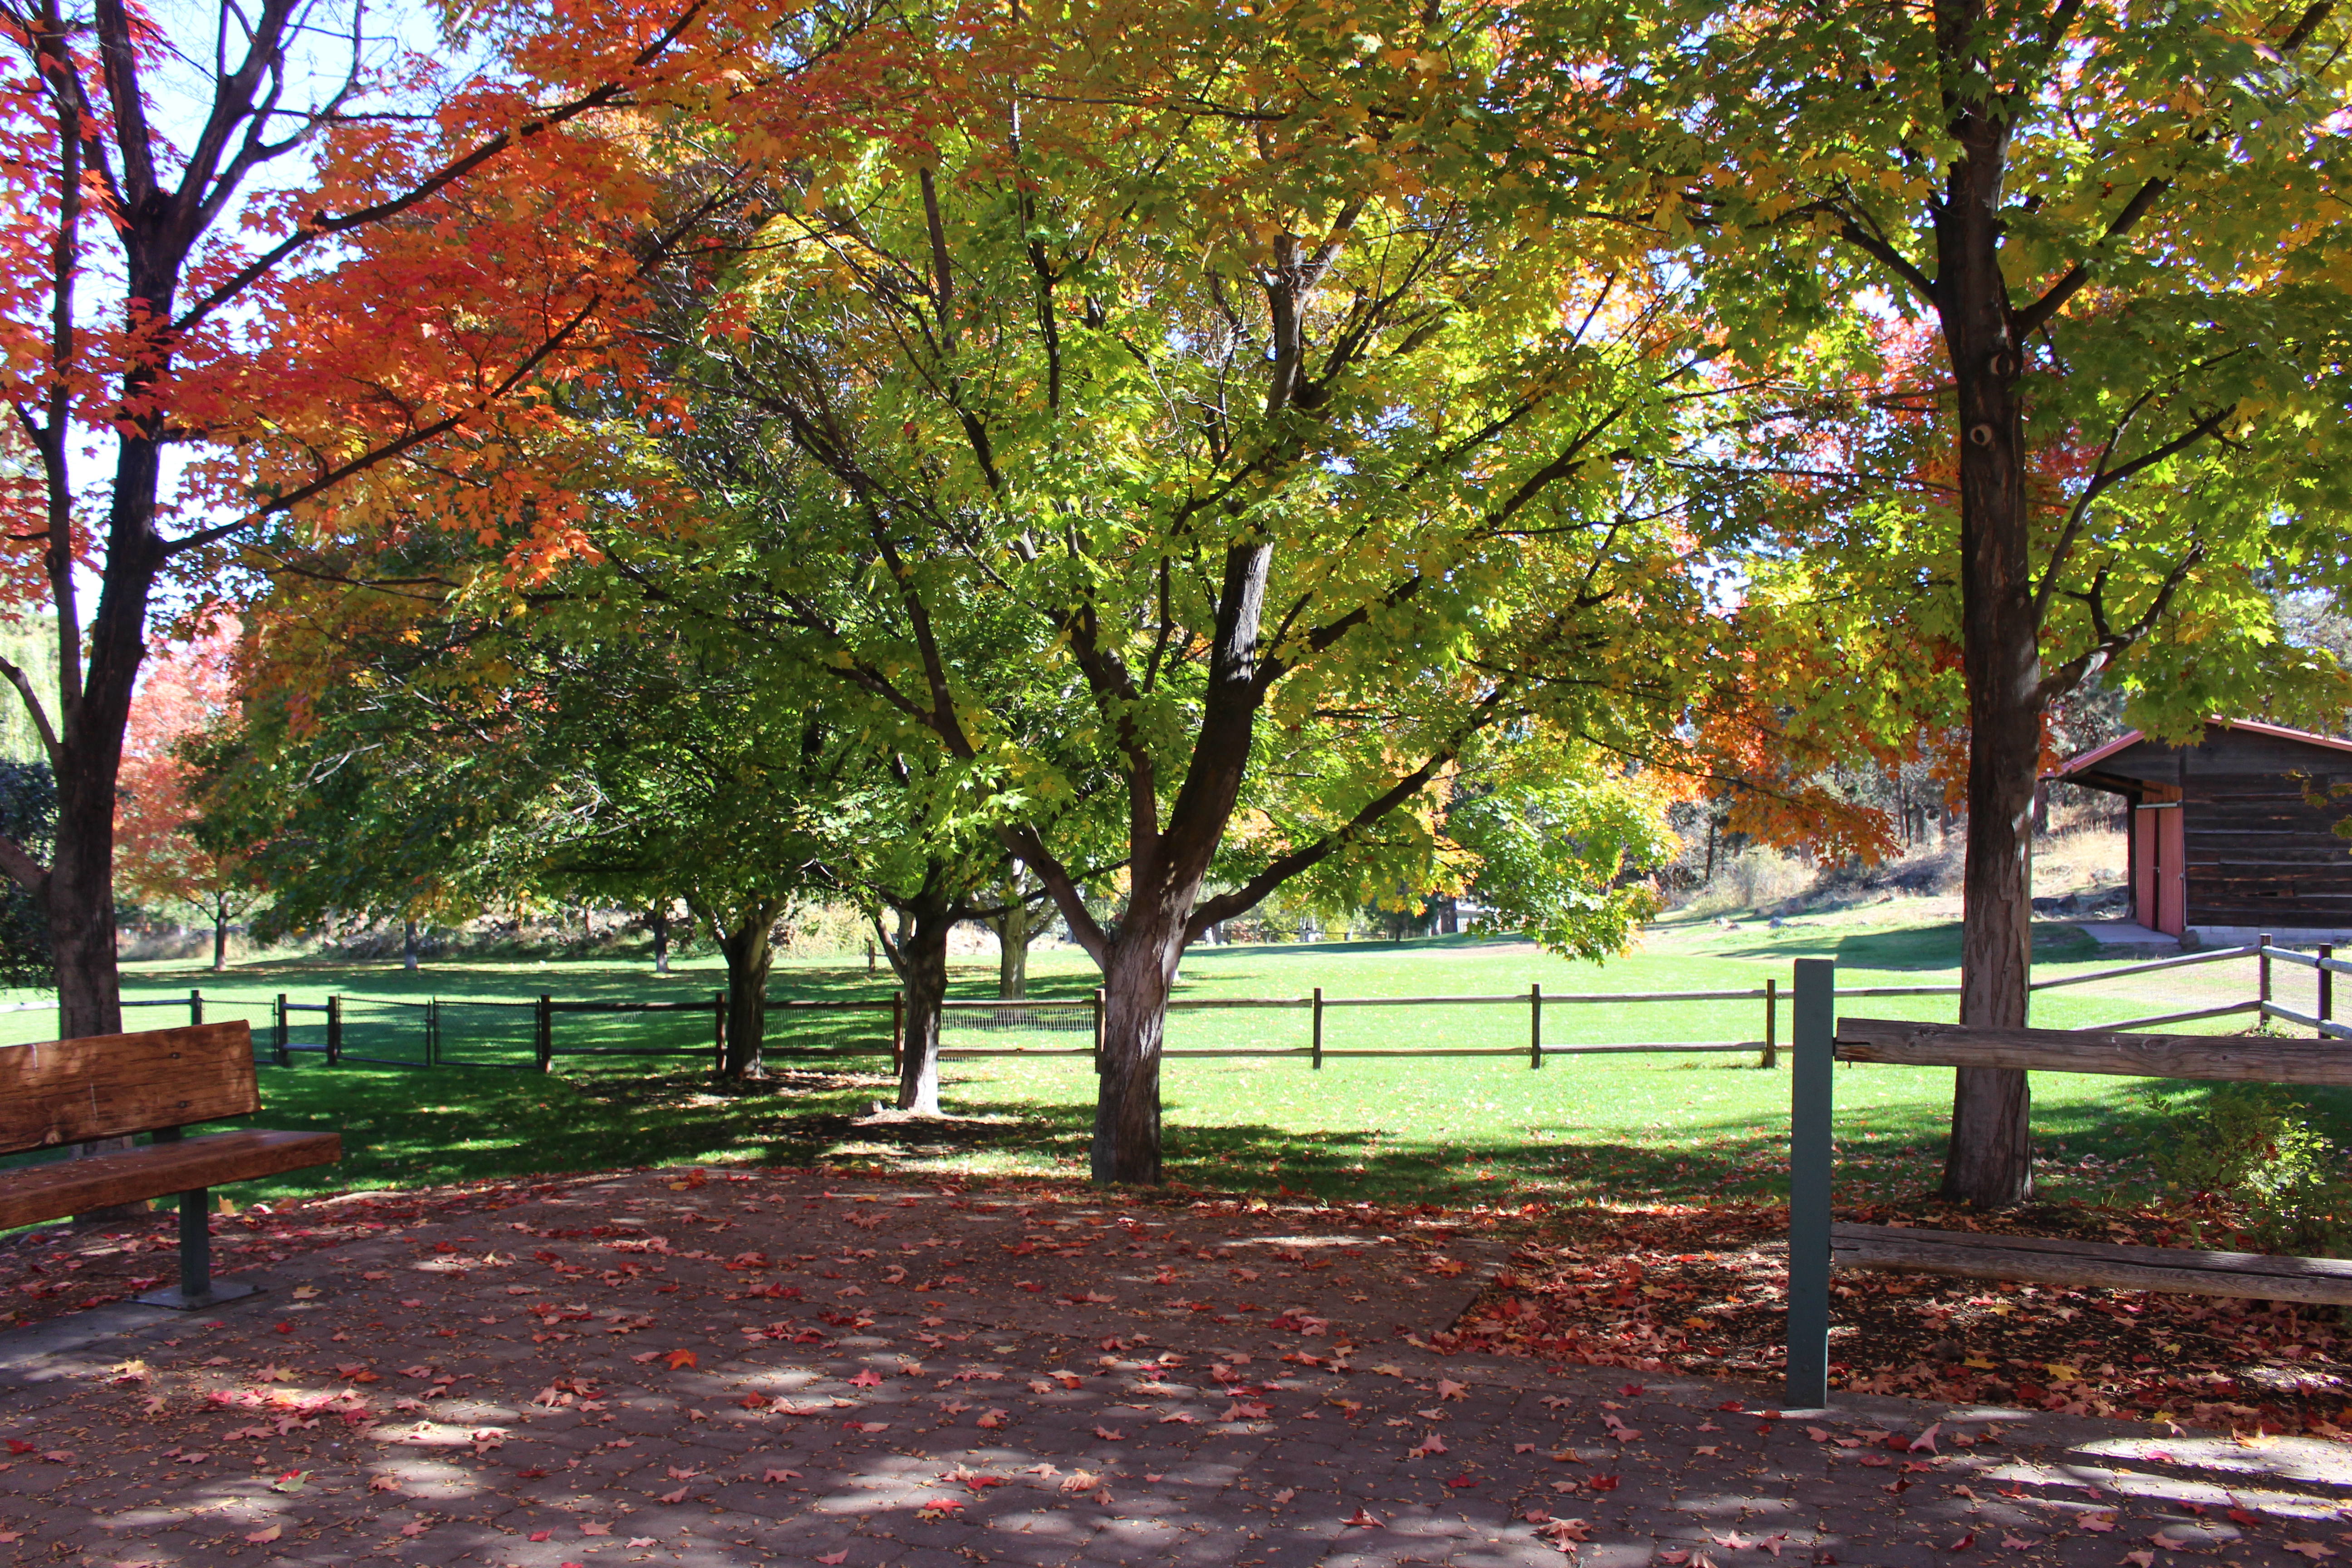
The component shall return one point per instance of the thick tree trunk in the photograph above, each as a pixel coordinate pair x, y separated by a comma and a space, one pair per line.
220, 939
921, 956
1990, 1161
748, 955
659, 921
408, 946
1013, 947
1138, 971
82, 893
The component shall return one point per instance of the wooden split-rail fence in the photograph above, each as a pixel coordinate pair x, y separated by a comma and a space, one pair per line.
524, 1034
1817, 1244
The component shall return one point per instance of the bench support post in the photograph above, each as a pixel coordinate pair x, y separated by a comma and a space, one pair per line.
1811, 1044
196, 1288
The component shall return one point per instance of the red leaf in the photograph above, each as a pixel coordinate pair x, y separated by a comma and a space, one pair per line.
680, 1360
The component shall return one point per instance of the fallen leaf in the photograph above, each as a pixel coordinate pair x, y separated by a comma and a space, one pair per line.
781, 1475
2102, 1523
263, 1537
680, 1360
832, 1559
2311, 1549
1362, 1518
592, 1528
869, 1378
1108, 1435
1285, 1494
413, 1529
2017, 1543
678, 1495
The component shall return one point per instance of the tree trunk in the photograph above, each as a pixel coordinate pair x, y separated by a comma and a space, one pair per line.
1990, 1161
1138, 971
920, 958
220, 937
659, 921
749, 956
1013, 947
408, 946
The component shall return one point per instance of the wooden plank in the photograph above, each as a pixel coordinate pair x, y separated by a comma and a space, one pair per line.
103, 1086
2220, 1058
30, 1193
2216, 956
2048, 1260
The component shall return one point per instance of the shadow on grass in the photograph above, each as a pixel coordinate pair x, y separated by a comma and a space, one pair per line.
407, 1128
1916, 947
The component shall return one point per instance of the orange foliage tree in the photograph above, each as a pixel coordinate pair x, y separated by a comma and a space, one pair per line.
232, 297
188, 690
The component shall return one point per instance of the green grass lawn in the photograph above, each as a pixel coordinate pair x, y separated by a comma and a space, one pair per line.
1441, 1129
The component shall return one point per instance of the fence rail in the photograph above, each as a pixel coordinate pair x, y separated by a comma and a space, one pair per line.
525, 1034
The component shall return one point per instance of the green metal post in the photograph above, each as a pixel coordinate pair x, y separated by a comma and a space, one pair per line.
1811, 1049
1535, 1026
1319, 1028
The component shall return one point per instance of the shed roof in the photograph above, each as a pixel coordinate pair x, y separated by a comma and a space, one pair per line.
2097, 755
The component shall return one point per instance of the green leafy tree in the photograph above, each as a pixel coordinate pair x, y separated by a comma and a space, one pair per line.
1297, 468
2053, 300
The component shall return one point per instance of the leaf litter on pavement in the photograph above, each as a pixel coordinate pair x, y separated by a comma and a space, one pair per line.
867, 1318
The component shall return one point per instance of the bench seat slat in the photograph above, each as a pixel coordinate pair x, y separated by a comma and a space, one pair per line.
2050, 1260
31, 1193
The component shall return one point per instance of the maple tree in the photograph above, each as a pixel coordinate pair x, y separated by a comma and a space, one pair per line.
1303, 475
186, 691
292, 256
2053, 313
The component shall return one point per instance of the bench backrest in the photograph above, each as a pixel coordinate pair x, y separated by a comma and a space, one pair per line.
106, 1086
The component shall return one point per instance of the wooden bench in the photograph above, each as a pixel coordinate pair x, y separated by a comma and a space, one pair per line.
1816, 1245
158, 1081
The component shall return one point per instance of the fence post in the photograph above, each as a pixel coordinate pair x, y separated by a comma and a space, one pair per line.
2263, 969
1812, 1044
285, 1058
433, 1031
1319, 1028
1535, 1026
1098, 1021
195, 1007
2327, 987
334, 1030
1771, 1057
898, 1031
546, 1042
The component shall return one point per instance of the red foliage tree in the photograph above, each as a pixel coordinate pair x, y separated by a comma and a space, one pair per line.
290, 291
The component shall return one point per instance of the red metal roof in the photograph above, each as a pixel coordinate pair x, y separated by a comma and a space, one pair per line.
2133, 738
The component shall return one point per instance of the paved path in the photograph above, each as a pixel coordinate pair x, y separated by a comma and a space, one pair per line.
778, 1369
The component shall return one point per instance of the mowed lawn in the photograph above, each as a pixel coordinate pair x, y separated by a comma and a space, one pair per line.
1637, 1128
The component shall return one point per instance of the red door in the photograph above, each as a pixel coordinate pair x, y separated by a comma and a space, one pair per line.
2172, 873
2144, 863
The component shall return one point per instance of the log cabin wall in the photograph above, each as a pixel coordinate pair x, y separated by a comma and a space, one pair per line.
2255, 848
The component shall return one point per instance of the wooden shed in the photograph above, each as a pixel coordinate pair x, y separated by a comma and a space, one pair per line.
2225, 832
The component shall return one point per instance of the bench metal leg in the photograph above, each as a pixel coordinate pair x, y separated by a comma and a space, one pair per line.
1812, 1045
196, 1288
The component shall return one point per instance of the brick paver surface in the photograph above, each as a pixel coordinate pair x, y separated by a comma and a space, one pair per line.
796, 1368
